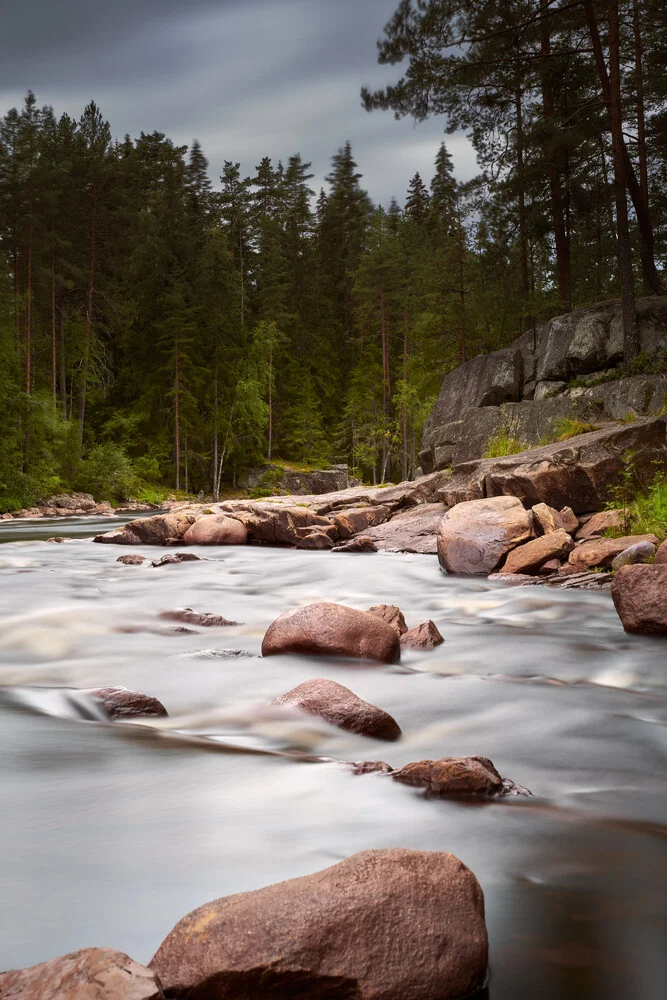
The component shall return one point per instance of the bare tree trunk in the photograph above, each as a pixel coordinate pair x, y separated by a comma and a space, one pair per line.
630, 336
186, 470
386, 385
63, 376
28, 294
85, 362
216, 480
54, 351
462, 289
177, 415
644, 223
404, 405
641, 114
557, 201
268, 457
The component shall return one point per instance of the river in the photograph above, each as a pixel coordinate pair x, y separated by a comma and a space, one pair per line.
111, 832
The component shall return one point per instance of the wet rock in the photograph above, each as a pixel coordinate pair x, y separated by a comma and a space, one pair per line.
371, 767
358, 519
361, 543
333, 630
599, 523
602, 551
206, 618
116, 537
530, 557
386, 924
661, 554
341, 707
423, 636
90, 974
120, 703
390, 614
474, 536
641, 552
216, 529
315, 540
639, 594
453, 776
131, 560
413, 530
176, 557
161, 529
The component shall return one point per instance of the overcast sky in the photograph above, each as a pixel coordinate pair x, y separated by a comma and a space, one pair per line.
246, 77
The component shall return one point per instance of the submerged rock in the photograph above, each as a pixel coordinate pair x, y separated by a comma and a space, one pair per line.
423, 636
334, 630
121, 703
90, 974
173, 558
457, 776
316, 540
341, 707
474, 536
382, 925
639, 594
371, 767
131, 560
204, 618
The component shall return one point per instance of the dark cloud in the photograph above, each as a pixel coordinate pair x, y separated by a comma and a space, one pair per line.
245, 77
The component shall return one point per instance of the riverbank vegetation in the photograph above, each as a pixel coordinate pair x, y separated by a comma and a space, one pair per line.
192, 329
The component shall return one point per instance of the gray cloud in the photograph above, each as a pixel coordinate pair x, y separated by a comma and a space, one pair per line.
246, 77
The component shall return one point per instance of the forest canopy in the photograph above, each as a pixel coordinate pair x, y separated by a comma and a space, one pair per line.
160, 328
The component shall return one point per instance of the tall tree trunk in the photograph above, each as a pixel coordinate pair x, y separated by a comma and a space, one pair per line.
216, 479
404, 404
630, 337
90, 291
386, 384
460, 242
63, 375
177, 415
268, 456
54, 351
641, 113
185, 463
556, 193
28, 291
644, 223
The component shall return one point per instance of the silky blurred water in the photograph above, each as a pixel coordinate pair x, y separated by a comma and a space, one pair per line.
110, 833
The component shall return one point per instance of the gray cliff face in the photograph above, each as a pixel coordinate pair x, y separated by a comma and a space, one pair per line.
522, 389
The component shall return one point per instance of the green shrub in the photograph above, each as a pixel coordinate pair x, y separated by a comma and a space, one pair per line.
107, 473
566, 428
504, 443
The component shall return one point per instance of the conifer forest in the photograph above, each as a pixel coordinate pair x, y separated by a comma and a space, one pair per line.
162, 328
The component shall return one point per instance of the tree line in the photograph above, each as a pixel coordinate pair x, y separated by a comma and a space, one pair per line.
159, 330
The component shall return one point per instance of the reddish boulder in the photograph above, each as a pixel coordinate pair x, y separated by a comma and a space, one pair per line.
550, 567
390, 614
341, 707
452, 776
315, 540
116, 537
423, 636
568, 520
474, 536
131, 560
661, 554
216, 529
276, 523
530, 557
382, 925
639, 594
358, 519
362, 543
90, 974
546, 519
204, 618
412, 530
161, 529
120, 703
332, 630
599, 523
603, 551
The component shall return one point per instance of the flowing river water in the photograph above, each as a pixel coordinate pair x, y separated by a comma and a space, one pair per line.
111, 832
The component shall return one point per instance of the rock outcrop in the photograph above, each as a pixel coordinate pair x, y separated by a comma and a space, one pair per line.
332, 630
341, 707
382, 925
90, 974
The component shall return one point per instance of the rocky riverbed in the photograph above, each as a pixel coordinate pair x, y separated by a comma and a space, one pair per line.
119, 828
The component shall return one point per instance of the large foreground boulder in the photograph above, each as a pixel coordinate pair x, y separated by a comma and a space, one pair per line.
90, 974
333, 630
341, 707
474, 536
216, 529
382, 925
640, 597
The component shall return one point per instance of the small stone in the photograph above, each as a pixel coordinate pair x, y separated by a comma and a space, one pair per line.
452, 776
641, 552
58, 539
206, 618
552, 566
176, 557
131, 560
371, 767
546, 519
569, 520
315, 540
602, 551
390, 614
90, 974
362, 543
120, 703
423, 636
341, 707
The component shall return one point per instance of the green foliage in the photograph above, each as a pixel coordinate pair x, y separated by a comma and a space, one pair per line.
107, 473
504, 443
567, 428
648, 510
